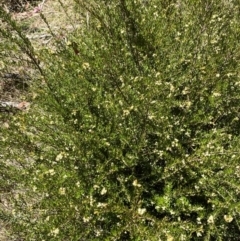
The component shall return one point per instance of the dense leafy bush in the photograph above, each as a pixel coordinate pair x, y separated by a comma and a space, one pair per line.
134, 130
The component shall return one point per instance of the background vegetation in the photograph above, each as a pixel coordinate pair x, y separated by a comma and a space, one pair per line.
133, 130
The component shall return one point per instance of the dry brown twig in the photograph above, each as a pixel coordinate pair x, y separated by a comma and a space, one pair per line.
6, 106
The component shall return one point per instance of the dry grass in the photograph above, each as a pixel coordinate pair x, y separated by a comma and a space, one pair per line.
61, 20
59, 15
16, 73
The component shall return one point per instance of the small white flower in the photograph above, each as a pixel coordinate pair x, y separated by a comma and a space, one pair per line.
210, 219
150, 117
86, 219
103, 191
199, 221
62, 191
216, 94
228, 218
185, 91
126, 112
171, 88
86, 65
136, 184
188, 104
172, 212
141, 211
101, 205
91, 200
95, 187
59, 156
107, 143
51, 172
55, 232
229, 74
97, 232
169, 237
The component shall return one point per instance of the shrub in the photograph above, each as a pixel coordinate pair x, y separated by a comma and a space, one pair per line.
134, 131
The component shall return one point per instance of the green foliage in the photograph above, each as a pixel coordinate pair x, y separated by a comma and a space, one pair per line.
134, 130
